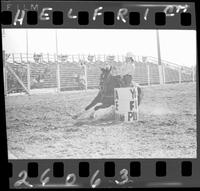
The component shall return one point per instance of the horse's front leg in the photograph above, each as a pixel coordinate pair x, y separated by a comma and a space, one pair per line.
93, 103
96, 100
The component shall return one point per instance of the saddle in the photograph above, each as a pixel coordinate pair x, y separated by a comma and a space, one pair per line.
125, 81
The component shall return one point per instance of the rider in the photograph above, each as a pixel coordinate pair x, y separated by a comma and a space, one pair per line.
124, 70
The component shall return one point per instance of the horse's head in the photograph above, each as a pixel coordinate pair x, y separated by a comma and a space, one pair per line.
105, 72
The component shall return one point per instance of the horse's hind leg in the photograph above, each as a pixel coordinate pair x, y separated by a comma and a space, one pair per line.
105, 113
87, 108
105, 103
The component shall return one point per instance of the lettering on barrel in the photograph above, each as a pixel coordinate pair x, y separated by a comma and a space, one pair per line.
126, 103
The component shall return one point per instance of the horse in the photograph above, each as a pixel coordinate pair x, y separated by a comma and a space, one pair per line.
105, 96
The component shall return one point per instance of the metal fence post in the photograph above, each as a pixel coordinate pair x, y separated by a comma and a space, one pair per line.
28, 76
57, 73
148, 75
42, 58
48, 57
118, 59
13, 58
160, 70
193, 73
163, 67
21, 58
179, 72
86, 77
28, 64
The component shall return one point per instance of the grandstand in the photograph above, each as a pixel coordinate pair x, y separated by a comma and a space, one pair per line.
76, 72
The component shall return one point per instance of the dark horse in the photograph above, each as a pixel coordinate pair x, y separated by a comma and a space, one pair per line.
107, 84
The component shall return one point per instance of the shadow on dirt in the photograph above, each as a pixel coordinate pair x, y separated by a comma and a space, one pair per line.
96, 122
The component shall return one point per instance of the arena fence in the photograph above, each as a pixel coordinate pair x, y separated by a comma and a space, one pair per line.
25, 73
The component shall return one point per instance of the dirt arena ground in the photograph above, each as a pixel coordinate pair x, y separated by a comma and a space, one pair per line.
39, 127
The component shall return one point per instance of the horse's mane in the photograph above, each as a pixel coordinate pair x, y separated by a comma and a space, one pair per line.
108, 85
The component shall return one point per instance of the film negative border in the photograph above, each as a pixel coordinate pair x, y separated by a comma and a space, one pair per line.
94, 173
133, 15
103, 173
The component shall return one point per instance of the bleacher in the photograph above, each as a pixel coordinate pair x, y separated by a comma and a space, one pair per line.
68, 72
43, 74
93, 74
171, 75
140, 74
13, 85
46, 74
186, 76
154, 74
